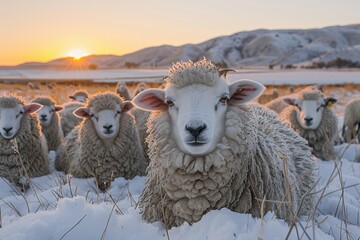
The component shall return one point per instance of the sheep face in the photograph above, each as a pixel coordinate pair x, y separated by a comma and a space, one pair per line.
197, 111
122, 87
142, 87
46, 113
107, 121
10, 118
309, 113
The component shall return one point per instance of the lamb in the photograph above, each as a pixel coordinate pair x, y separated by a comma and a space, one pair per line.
210, 150
265, 98
310, 115
105, 145
123, 91
50, 121
351, 121
79, 96
68, 119
22, 153
139, 88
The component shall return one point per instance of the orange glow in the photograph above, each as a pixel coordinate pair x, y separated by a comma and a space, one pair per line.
77, 54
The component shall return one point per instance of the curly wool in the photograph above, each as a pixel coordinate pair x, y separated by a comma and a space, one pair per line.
53, 132
351, 119
321, 139
68, 119
141, 118
126, 95
31, 160
80, 93
85, 155
258, 157
182, 74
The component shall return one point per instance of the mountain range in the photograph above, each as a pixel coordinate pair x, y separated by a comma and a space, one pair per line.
249, 48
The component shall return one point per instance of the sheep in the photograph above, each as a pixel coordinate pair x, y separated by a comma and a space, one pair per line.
139, 88
22, 153
350, 129
123, 91
265, 98
68, 119
310, 115
50, 121
105, 145
278, 104
210, 150
79, 96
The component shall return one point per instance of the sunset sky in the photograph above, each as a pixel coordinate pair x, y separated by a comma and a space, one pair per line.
43, 30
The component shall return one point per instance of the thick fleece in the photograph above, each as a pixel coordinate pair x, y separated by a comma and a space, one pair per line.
351, 120
53, 133
22, 156
68, 119
321, 139
85, 155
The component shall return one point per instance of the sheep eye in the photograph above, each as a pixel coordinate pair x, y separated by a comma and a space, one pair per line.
92, 115
169, 103
224, 99
318, 109
298, 107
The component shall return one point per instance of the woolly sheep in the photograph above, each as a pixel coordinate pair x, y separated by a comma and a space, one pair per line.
22, 154
210, 150
139, 88
310, 115
267, 97
105, 145
50, 121
351, 121
68, 119
123, 91
278, 104
79, 96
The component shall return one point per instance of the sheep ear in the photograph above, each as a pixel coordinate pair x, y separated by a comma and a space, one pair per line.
82, 112
151, 100
329, 102
32, 107
243, 91
58, 108
290, 101
223, 72
126, 106
71, 97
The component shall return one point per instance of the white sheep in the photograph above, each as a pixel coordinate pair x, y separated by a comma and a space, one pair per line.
210, 150
123, 91
22, 153
105, 145
350, 129
50, 121
310, 115
278, 104
79, 96
139, 88
68, 119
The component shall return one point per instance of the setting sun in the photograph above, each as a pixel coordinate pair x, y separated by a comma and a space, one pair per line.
77, 54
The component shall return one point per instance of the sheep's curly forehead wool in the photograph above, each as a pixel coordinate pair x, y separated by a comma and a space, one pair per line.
182, 74
9, 101
104, 101
46, 101
312, 95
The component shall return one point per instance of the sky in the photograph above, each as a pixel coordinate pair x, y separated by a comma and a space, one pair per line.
43, 30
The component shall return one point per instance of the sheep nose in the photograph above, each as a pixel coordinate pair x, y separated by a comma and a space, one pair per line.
308, 120
108, 127
7, 130
43, 116
195, 130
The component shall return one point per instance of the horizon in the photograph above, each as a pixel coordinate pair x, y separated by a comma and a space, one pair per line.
63, 29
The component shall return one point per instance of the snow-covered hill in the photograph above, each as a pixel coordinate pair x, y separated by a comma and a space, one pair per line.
251, 48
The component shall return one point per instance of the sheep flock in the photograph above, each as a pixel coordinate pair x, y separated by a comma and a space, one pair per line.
201, 141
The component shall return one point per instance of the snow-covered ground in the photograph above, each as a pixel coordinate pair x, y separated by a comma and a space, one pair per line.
60, 207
